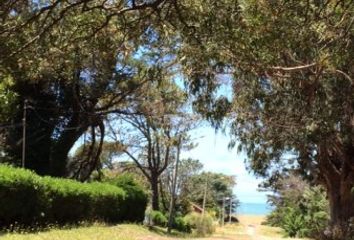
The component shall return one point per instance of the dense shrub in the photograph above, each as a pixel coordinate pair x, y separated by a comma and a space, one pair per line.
156, 218
180, 224
21, 197
136, 198
27, 199
301, 210
203, 225
293, 223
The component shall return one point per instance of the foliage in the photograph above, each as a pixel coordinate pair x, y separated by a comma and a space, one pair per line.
157, 218
300, 209
202, 224
136, 198
293, 223
151, 138
7, 100
76, 64
187, 169
192, 184
290, 65
109, 151
28, 199
216, 185
181, 225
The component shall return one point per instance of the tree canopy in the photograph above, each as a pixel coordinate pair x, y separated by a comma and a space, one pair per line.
290, 64
292, 69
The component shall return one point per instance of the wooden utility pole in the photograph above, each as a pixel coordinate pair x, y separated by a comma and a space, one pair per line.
223, 211
174, 183
205, 194
230, 212
24, 134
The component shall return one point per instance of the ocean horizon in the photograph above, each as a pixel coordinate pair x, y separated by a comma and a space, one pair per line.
259, 209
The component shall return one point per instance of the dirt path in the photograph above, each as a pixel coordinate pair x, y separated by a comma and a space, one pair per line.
254, 229
249, 228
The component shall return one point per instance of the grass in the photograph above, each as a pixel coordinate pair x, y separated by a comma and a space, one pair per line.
239, 231
96, 232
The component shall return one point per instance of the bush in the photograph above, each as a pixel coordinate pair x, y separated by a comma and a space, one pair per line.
27, 199
203, 225
180, 224
301, 211
156, 218
136, 198
294, 223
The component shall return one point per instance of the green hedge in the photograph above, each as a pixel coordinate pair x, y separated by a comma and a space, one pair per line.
136, 198
27, 199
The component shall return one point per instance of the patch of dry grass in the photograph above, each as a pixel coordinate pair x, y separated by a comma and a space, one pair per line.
249, 228
121, 232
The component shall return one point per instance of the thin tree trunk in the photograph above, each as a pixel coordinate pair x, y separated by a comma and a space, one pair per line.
163, 197
155, 192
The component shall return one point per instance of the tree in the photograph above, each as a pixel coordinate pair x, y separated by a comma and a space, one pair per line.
231, 206
187, 169
75, 63
292, 72
217, 186
79, 164
150, 137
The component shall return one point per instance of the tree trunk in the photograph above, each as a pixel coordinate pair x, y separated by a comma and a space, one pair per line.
60, 151
155, 192
341, 200
163, 197
341, 203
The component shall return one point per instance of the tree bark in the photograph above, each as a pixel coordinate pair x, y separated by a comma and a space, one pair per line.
341, 201
155, 192
60, 151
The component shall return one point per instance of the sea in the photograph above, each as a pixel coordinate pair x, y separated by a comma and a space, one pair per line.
259, 209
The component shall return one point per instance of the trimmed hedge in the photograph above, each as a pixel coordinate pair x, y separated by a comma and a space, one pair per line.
27, 199
136, 198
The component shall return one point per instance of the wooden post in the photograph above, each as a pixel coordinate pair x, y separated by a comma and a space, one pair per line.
223, 211
204, 197
230, 212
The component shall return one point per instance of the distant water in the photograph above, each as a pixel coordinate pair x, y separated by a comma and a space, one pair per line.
254, 209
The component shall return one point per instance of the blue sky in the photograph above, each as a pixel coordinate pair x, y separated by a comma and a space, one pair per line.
212, 151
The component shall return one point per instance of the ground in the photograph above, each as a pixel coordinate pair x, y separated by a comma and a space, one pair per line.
250, 228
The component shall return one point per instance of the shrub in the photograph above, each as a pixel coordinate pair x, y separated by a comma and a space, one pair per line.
27, 199
301, 210
294, 223
136, 198
156, 218
203, 225
180, 224
21, 197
